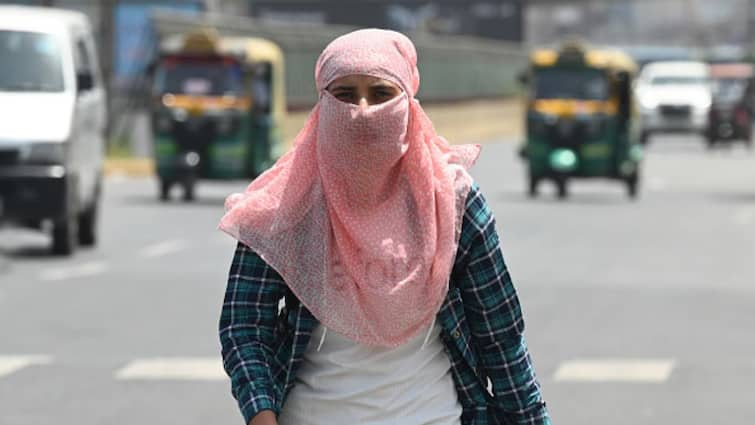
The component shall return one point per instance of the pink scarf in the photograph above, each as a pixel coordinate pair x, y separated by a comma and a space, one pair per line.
362, 217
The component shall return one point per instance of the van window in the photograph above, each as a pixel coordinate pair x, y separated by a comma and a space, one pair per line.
30, 62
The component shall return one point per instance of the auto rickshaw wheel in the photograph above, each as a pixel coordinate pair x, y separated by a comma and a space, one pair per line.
532, 188
189, 194
562, 189
165, 190
632, 183
644, 138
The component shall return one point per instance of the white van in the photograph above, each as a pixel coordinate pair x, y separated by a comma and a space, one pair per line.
674, 96
52, 124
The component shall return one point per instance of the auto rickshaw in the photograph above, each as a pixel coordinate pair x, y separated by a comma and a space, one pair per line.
733, 102
580, 118
217, 108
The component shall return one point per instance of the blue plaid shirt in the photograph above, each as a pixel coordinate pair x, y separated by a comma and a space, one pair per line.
481, 321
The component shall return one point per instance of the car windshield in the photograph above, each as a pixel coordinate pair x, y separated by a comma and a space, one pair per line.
729, 89
30, 62
198, 78
678, 80
559, 83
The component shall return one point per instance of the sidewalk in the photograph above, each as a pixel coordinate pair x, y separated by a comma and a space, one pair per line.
460, 122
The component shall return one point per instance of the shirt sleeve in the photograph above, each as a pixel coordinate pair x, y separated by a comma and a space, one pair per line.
495, 317
247, 321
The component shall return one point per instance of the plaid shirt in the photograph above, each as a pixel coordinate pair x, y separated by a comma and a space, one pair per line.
481, 321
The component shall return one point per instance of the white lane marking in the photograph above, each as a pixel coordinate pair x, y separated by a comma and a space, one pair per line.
10, 364
78, 271
615, 370
177, 368
744, 216
163, 248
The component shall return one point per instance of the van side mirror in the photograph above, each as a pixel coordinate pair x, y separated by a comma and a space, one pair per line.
84, 82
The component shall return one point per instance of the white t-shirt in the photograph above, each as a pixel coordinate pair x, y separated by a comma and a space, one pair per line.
345, 383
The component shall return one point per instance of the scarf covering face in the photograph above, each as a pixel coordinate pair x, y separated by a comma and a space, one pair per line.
362, 217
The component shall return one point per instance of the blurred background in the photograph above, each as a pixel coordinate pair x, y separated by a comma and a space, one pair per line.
617, 158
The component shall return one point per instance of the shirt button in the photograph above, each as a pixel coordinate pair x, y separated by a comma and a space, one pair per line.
456, 334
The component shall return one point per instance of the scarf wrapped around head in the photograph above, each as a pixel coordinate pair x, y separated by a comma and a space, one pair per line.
362, 217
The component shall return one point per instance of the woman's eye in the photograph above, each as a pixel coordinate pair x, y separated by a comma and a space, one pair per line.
343, 96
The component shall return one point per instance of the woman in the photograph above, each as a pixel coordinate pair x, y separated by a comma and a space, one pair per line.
398, 305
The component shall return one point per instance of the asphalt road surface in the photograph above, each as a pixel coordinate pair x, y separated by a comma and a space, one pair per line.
638, 312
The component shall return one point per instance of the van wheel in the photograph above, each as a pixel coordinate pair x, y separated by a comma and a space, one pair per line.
65, 235
88, 226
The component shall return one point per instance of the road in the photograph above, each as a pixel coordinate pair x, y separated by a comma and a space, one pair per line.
638, 312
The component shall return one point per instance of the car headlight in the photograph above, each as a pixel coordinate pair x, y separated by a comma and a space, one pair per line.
45, 153
703, 102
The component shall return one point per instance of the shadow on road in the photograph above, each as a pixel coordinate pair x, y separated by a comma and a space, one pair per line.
734, 197
597, 199
151, 201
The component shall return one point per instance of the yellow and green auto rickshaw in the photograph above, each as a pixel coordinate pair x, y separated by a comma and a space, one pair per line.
581, 121
217, 108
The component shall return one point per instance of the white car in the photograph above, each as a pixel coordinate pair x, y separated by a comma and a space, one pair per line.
52, 124
674, 97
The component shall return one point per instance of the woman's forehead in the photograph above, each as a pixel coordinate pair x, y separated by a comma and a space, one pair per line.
361, 79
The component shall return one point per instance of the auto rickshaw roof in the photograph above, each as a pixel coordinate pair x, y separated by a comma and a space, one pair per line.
731, 70
607, 59
251, 49
208, 42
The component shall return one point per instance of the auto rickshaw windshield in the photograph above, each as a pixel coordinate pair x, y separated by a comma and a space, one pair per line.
571, 83
198, 77
729, 89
